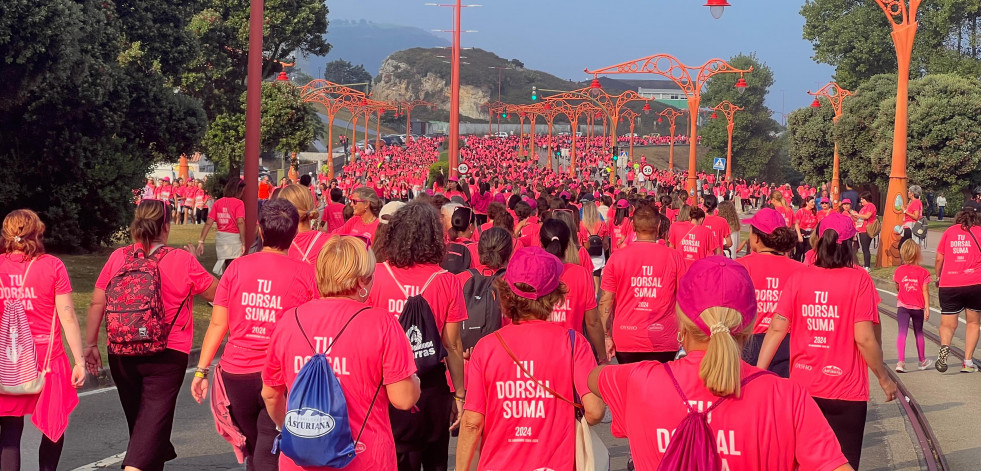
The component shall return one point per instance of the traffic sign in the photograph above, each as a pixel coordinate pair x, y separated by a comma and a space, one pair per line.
623, 155
463, 168
719, 163
647, 170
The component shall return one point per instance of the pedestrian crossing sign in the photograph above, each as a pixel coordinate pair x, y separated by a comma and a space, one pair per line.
719, 163
623, 155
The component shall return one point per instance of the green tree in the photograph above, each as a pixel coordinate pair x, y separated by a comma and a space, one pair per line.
216, 74
287, 125
754, 138
811, 142
854, 36
84, 115
343, 72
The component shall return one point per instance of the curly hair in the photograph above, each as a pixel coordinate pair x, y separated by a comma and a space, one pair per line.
415, 236
24, 231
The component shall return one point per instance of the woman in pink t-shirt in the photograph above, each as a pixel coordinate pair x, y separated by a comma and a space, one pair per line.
805, 221
366, 347
699, 242
865, 216
534, 429
958, 269
308, 241
148, 384
367, 205
758, 421
251, 298
413, 248
580, 305
831, 308
228, 215
41, 282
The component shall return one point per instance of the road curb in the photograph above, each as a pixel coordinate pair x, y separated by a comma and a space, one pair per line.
104, 379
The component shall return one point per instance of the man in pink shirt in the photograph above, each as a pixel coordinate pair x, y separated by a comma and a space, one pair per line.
640, 280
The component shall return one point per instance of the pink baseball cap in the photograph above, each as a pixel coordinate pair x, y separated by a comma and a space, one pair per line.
717, 281
839, 223
454, 179
846, 201
623, 204
536, 268
766, 220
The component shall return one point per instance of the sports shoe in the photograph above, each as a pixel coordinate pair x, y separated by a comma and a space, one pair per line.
969, 368
925, 364
900, 367
941, 363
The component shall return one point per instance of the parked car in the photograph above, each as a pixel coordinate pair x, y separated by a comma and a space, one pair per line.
501, 135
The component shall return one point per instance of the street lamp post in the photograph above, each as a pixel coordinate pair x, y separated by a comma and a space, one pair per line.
729, 110
253, 119
670, 67
836, 95
333, 98
407, 108
902, 19
672, 114
631, 117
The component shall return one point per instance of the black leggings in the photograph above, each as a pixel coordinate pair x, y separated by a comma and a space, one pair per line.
803, 247
148, 388
248, 411
11, 429
422, 439
202, 215
847, 421
865, 241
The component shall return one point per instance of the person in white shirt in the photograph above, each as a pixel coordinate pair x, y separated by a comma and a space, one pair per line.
941, 203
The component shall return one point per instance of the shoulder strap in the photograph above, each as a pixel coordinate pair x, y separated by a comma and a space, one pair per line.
430, 280
332, 342
971, 233
526, 373
310, 247
745, 381
396, 280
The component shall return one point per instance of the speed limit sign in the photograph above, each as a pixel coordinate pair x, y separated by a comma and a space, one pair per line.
647, 170
463, 168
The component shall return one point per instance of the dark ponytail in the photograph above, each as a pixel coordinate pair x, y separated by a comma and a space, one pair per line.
148, 223
783, 239
459, 222
831, 254
554, 237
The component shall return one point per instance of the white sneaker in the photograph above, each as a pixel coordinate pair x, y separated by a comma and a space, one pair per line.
925, 364
901, 367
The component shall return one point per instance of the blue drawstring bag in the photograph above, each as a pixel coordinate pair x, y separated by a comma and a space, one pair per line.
317, 431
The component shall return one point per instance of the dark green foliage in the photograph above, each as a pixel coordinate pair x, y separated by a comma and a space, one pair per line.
343, 72
84, 114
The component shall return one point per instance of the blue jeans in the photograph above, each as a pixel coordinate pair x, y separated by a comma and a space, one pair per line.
940, 216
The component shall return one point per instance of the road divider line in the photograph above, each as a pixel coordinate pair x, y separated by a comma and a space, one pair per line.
104, 463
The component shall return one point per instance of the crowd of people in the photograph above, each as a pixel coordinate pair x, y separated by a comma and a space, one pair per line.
540, 301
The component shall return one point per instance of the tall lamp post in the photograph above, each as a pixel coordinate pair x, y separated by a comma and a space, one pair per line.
904, 24
407, 108
631, 117
253, 119
454, 131
333, 98
549, 112
836, 95
729, 110
668, 66
671, 114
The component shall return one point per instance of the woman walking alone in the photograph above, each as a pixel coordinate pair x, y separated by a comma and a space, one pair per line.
228, 214
148, 384
41, 282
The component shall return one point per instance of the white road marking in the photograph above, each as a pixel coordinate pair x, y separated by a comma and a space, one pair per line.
113, 388
103, 463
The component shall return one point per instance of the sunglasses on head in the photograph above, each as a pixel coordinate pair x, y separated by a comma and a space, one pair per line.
366, 240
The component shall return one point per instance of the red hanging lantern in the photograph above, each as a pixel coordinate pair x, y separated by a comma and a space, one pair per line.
717, 7
282, 77
714, 116
660, 120
741, 85
595, 87
647, 108
815, 103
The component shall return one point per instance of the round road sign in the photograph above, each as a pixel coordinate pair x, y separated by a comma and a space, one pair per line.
648, 170
463, 168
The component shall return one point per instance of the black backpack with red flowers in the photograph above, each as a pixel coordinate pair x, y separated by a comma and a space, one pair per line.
135, 315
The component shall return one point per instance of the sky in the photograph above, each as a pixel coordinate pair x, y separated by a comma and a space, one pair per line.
563, 38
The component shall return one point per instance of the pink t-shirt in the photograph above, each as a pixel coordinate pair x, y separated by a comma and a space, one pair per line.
806, 219
361, 363
580, 298
306, 246
644, 278
787, 213
773, 426
226, 212
355, 226
769, 273
823, 305
257, 289
910, 280
444, 294
867, 209
334, 216
962, 257
525, 427
916, 207
698, 244
182, 277
46, 279
678, 231
719, 226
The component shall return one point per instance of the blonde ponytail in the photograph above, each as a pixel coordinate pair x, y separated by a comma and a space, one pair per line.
720, 369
